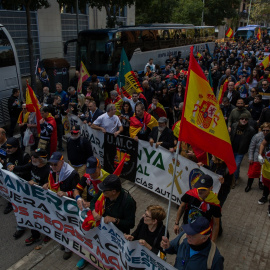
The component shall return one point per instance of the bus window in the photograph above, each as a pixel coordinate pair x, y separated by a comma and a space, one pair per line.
148, 39
6, 53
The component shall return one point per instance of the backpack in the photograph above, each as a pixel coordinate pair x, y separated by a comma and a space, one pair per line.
211, 252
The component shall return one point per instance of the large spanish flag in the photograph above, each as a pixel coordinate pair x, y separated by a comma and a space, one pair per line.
127, 79
229, 33
33, 105
84, 75
202, 123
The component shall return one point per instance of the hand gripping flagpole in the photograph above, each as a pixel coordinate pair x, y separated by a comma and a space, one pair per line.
170, 198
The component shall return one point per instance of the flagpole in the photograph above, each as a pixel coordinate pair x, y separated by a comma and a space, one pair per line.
170, 198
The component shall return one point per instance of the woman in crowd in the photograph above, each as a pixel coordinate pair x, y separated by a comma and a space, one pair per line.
253, 80
254, 169
150, 230
126, 113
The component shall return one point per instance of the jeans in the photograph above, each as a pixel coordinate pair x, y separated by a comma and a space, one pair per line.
238, 159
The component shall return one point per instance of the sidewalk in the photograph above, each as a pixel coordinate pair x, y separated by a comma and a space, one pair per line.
245, 243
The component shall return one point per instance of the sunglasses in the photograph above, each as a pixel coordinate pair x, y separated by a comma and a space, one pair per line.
264, 84
9, 147
253, 91
265, 130
244, 119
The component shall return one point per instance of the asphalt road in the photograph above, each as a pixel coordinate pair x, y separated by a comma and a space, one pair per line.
10, 250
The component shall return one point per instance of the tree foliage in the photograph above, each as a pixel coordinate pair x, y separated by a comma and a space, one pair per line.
260, 12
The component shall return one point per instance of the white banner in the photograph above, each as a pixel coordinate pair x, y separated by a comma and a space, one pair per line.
58, 217
154, 166
155, 172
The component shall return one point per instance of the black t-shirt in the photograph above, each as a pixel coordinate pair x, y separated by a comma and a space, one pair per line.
40, 175
152, 238
237, 138
193, 209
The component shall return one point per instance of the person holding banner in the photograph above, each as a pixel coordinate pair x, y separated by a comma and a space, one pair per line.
162, 135
108, 122
40, 171
200, 201
193, 247
120, 207
141, 123
150, 230
62, 180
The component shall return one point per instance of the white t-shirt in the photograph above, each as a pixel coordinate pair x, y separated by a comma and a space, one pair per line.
111, 124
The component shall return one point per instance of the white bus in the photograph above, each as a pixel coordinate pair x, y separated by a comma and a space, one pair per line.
10, 76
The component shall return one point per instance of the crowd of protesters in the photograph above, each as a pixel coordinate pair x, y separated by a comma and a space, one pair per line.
240, 83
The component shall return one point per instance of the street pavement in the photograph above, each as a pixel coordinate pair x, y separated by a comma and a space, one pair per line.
245, 242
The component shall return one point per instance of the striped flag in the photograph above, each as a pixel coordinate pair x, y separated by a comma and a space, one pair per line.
265, 61
84, 75
259, 34
229, 33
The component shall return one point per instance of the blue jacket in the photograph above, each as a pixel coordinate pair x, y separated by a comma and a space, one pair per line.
64, 97
197, 261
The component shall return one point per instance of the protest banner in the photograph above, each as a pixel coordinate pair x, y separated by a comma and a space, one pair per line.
114, 150
155, 172
59, 218
96, 138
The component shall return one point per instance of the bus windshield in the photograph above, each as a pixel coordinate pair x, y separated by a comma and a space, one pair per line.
95, 51
245, 34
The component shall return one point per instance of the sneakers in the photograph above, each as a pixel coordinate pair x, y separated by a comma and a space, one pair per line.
81, 264
29, 241
263, 200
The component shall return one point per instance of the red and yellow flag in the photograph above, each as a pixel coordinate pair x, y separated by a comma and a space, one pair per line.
229, 33
265, 62
259, 34
159, 110
84, 75
202, 123
199, 56
222, 91
32, 104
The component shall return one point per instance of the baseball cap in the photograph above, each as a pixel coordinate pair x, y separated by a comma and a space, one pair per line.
205, 181
13, 142
39, 152
244, 116
75, 129
199, 225
55, 157
91, 165
111, 182
162, 119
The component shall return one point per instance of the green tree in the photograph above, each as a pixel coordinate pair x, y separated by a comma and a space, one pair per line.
216, 10
29, 5
260, 12
188, 11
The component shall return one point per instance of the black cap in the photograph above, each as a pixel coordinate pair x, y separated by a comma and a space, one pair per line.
13, 142
75, 129
55, 157
205, 181
39, 153
199, 225
91, 165
111, 182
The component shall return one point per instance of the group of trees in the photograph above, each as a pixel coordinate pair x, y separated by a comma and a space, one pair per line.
260, 11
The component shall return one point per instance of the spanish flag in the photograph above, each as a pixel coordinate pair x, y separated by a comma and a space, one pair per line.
84, 75
159, 110
259, 34
265, 62
222, 91
202, 123
33, 105
136, 125
127, 79
229, 33
199, 56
